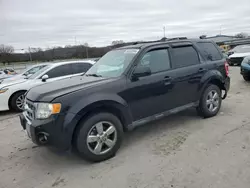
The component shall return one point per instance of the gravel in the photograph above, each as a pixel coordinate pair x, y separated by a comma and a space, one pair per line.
181, 151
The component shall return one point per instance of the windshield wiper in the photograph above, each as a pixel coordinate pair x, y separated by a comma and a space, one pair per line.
95, 75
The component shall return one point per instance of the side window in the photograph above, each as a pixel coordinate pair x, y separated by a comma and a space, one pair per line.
156, 60
59, 71
184, 56
80, 67
209, 51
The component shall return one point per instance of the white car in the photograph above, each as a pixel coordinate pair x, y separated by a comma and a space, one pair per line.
238, 53
12, 93
3, 75
26, 73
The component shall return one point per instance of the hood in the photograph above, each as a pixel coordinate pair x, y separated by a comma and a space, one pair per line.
12, 78
49, 91
4, 76
7, 83
239, 55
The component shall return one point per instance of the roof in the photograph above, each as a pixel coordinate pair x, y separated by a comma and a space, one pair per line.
148, 44
221, 38
69, 62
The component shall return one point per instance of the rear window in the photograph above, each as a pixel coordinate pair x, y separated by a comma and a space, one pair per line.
209, 51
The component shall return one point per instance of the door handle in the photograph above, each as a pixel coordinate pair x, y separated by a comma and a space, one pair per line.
167, 80
202, 70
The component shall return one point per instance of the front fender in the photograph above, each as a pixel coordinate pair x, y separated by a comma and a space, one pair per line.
79, 109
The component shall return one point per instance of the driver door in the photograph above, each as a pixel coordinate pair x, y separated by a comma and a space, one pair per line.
151, 95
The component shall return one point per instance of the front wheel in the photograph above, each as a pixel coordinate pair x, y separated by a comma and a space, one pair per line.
210, 102
246, 78
17, 101
99, 137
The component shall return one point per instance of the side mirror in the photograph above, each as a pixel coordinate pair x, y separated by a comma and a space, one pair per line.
141, 71
44, 78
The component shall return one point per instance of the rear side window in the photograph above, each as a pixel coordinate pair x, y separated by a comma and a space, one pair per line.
59, 71
209, 51
81, 67
184, 56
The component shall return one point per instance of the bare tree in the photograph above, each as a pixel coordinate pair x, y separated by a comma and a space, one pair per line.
6, 49
115, 42
6, 52
242, 35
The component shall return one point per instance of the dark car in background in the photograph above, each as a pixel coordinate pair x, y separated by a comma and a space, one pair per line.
126, 88
245, 68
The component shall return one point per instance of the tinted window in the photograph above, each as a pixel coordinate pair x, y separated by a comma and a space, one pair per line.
184, 56
209, 51
59, 71
156, 60
81, 67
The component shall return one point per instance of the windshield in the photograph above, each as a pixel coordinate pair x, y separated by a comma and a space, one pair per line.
113, 64
241, 49
33, 70
46, 67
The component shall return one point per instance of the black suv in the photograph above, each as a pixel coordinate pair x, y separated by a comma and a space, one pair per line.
127, 87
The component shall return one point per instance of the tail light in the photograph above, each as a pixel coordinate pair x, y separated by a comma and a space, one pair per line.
226, 68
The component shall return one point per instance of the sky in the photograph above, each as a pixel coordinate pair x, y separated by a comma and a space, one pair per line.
48, 23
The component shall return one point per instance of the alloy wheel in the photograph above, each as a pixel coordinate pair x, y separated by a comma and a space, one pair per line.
20, 102
101, 138
212, 101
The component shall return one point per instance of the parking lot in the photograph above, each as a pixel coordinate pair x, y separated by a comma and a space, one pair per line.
180, 151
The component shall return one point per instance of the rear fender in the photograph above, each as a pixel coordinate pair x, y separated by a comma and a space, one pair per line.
211, 77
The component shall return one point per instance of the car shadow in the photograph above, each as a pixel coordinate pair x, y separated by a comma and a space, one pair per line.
51, 156
7, 115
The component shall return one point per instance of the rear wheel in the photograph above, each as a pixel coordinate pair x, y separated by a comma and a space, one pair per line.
17, 101
246, 77
210, 101
99, 137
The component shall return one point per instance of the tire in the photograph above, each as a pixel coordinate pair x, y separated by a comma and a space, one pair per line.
209, 98
88, 127
16, 100
246, 78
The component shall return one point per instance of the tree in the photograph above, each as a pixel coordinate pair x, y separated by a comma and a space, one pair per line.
241, 35
115, 42
6, 52
6, 49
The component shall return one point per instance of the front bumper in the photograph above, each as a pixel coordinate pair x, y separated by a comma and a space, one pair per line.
4, 100
245, 69
46, 132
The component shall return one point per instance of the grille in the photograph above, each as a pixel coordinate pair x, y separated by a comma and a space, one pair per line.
236, 60
30, 110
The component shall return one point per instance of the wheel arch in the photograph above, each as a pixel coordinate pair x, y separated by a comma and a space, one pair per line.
213, 80
10, 98
109, 106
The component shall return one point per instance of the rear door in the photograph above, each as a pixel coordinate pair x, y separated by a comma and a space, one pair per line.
212, 56
60, 72
80, 68
187, 73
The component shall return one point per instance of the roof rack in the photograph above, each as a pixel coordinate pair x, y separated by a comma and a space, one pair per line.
161, 40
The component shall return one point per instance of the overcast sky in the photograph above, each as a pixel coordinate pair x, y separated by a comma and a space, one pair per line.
48, 23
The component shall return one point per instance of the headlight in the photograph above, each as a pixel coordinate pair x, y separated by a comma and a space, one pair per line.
3, 90
45, 110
